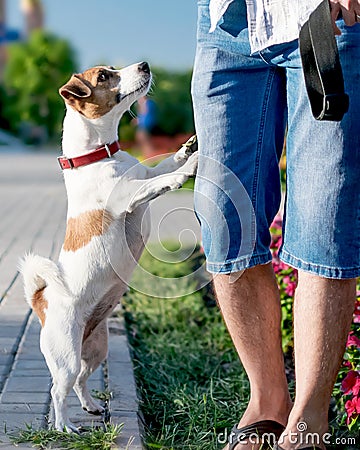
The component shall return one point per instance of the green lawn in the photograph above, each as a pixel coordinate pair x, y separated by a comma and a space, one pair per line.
190, 381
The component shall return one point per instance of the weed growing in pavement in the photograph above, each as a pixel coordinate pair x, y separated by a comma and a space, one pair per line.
104, 396
91, 439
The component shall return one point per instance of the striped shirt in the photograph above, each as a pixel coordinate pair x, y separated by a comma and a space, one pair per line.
270, 21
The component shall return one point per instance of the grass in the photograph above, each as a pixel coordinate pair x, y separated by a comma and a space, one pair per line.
91, 439
104, 396
191, 383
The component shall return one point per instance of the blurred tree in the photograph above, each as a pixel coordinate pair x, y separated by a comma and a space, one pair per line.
172, 97
34, 72
171, 93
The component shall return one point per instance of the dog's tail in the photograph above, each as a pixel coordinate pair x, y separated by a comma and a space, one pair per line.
39, 273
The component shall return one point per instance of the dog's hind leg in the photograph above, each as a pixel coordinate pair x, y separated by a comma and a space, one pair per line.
93, 353
62, 354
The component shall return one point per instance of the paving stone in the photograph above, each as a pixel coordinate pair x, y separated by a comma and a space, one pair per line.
27, 397
130, 436
29, 384
12, 422
24, 408
29, 364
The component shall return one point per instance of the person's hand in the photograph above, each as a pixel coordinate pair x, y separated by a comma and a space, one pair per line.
350, 11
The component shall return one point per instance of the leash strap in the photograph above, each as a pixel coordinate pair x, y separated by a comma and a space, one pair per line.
321, 65
106, 151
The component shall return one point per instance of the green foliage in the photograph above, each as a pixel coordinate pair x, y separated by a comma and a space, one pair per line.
173, 100
192, 385
35, 70
171, 94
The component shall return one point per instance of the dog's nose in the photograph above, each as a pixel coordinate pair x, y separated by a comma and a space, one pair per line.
144, 67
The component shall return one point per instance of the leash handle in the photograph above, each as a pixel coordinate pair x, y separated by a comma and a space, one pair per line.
321, 65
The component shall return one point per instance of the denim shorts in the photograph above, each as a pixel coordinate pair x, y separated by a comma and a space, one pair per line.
244, 104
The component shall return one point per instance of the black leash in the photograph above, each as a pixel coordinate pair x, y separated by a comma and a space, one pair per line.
321, 65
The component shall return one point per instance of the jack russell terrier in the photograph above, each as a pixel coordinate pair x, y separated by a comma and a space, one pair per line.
107, 224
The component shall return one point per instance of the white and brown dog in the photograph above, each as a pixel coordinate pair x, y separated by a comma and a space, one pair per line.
107, 224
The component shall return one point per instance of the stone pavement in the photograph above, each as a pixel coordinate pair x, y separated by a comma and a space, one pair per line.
32, 217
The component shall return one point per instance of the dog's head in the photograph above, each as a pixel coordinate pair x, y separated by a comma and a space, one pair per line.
99, 90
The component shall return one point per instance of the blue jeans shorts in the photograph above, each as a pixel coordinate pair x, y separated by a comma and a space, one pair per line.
243, 106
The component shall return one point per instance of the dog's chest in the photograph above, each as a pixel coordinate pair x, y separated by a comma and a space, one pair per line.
95, 253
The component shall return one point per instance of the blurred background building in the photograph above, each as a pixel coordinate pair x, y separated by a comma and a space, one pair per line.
33, 19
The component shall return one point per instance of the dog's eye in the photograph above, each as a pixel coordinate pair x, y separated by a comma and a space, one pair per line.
103, 76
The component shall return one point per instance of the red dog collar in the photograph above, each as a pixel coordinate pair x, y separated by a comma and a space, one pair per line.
105, 151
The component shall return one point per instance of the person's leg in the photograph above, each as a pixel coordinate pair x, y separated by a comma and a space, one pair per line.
251, 310
240, 110
323, 312
321, 239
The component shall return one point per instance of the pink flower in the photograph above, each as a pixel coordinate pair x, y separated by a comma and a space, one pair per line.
277, 223
351, 383
278, 265
357, 312
290, 289
283, 266
352, 408
278, 243
352, 340
290, 285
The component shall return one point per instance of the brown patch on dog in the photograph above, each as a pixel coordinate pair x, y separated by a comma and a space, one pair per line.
39, 304
81, 229
92, 93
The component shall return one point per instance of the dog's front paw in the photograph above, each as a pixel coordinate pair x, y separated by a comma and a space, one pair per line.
190, 167
187, 149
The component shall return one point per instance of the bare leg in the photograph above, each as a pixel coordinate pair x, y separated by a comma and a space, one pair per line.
322, 317
251, 310
93, 352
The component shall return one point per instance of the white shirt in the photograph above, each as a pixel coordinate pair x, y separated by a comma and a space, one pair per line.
270, 21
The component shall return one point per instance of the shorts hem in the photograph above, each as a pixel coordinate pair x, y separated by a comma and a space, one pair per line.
237, 265
336, 273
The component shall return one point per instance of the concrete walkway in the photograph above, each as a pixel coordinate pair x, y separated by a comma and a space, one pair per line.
32, 217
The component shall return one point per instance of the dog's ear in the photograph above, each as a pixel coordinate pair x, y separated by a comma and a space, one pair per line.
75, 88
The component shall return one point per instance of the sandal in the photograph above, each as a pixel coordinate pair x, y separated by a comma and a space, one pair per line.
277, 447
269, 429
